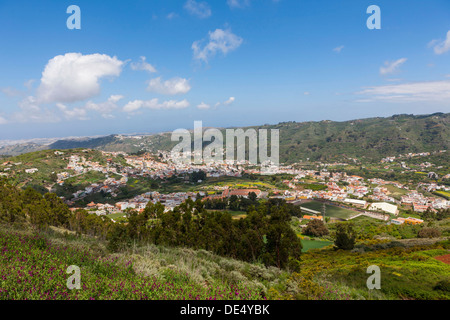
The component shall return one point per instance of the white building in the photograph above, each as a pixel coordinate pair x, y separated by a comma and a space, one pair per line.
359, 203
384, 206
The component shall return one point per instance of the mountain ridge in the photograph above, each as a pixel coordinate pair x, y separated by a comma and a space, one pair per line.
326, 140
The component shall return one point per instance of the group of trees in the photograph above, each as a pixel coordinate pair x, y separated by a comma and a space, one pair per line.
233, 203
264, 235
316, 228
42, 211
197, 176
345, 237
429, 232
436, 215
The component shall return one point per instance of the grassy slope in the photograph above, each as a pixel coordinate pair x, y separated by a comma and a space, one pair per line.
33, 267
406, 273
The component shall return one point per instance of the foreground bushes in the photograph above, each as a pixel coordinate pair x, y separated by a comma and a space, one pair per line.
31, 267
429, 233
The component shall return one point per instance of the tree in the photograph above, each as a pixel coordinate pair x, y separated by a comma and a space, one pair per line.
197, 175
59, 211
252, 197
316, 228
429, 233
283, 244
345, 236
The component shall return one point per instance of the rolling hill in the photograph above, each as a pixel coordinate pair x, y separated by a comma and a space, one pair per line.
370, 139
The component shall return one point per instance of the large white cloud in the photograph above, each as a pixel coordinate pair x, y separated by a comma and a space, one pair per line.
170, 87
74, 77
135, 105
218, 41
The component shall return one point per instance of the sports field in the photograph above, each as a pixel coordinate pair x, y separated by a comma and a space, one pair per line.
331, 211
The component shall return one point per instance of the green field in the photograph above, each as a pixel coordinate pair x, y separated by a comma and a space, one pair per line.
396, 192
331, 211
116, 215
314, 244
234, 214
444, 194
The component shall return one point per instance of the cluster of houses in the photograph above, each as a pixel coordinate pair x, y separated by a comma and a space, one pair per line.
146, 166
244, 193
431, 187
410, 155
139, 202
349, 190
7, 165
419, 203
110, 186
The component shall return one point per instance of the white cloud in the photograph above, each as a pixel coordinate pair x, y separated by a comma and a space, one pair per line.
30, 111
199, 9
3, 120
72, 114
74, 77
219, 40
171, 15
11, 92
338, 49
229, 101
135, 105
306, 93
29, 83
440, 46
105, 108
394, 80
143, 65
170, 87
203, 106
225, 103
238, 3
437, 91
392, 66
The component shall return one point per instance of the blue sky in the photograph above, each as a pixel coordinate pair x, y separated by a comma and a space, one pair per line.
151, 66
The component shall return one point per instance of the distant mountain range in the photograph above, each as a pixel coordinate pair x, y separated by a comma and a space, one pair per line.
372, 139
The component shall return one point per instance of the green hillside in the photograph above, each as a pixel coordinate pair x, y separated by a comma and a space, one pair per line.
370, 139
41, 237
